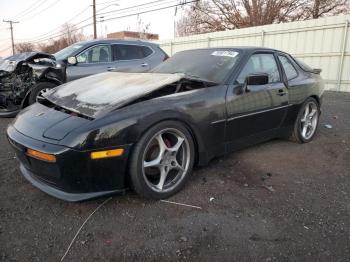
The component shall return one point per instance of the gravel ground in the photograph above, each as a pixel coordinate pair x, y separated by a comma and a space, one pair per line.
278, 201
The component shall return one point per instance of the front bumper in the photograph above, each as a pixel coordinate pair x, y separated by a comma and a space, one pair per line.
74, 176
72, 197
9, 113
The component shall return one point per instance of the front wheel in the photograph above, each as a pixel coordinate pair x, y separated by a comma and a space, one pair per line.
162, 160
307, 121
38, 90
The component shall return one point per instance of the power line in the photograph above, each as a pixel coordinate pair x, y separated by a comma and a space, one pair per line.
56, 28
104, 3
38, 13
61, 34
135, 6
117, 17
50, 34
145, 5
52, 31
29, 9
158, 9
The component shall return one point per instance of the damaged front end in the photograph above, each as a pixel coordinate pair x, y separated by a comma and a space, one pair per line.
94, 96
20, 73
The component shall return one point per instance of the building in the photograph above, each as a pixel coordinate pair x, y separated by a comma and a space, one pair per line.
133, 35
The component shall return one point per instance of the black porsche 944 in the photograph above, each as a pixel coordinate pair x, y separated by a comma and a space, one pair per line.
109, 132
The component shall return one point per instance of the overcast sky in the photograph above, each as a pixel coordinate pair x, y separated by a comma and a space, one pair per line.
42, 18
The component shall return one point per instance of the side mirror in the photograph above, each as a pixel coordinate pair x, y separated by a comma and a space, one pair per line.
72, 60
253, 80
317, 71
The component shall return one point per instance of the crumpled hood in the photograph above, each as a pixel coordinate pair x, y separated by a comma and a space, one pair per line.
10, 63
98, 94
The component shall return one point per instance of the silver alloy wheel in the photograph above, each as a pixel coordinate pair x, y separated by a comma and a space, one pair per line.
309, 120
39, 96
166, 160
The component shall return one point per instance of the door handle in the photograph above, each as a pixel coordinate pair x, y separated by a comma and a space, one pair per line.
144, 64
111, 68
281, 92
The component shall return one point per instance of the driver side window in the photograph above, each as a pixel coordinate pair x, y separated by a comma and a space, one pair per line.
260, 63
97, 54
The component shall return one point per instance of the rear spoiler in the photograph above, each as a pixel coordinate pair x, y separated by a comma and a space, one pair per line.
316, 71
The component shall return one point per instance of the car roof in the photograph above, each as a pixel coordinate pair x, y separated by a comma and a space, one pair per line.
241, 48
116, 41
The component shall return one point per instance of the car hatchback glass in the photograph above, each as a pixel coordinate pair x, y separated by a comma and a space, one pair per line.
205, 64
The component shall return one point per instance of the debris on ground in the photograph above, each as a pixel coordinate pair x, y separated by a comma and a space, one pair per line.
267, 176
270, 188
180, 204
328, 126
86, 220
211, 199
7, 159
183, 239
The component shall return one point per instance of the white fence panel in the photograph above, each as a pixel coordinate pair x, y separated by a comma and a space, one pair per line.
322, 43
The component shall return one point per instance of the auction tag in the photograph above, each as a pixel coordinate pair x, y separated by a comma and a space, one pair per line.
225, 53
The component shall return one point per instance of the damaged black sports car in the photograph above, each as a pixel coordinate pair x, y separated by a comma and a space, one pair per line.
109, 132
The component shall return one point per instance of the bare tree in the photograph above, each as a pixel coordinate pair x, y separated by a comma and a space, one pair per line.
217, 15
318, 8
69, 35
141, 26
24, 47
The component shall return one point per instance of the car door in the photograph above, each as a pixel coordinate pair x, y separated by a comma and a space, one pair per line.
129, 58
255, 111
94, 60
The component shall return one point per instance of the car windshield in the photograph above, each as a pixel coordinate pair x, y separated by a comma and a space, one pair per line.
66, 52
207, 64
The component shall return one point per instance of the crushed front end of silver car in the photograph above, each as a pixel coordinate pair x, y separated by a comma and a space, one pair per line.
20, 73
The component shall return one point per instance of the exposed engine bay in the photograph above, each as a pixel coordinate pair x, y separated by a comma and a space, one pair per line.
20, 73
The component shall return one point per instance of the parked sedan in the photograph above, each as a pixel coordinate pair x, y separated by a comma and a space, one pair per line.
109, 132
25, 77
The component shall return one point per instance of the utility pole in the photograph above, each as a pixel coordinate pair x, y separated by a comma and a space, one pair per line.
94, 17
11, 28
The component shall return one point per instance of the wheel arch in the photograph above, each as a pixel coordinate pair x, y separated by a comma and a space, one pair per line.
318, 100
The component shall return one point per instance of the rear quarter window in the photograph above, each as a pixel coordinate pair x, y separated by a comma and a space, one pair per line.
130, 52
288, 67
302, 65
146, 51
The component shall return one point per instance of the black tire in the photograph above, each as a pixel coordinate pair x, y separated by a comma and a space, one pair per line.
138, 178
37, 89
296, 134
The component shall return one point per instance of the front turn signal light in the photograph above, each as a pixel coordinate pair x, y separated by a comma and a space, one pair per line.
41, 156
107, 153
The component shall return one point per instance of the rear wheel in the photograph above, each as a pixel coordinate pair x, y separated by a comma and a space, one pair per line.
38, 90
162, 160
307, 121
